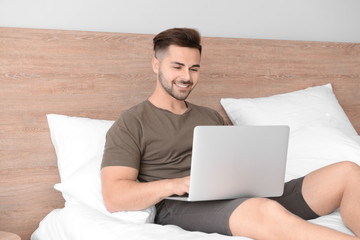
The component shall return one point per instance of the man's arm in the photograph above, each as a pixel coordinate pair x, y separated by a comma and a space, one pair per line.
121, 191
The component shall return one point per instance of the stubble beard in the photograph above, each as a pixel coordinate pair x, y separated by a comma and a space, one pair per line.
182, 96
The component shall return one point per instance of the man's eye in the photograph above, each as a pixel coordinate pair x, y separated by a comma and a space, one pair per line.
177, 67
194, 69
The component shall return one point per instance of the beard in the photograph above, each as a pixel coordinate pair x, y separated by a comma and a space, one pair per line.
180, 95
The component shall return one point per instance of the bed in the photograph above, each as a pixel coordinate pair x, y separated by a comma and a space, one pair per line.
61, 90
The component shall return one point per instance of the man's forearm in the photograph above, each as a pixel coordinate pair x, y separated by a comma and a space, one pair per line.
127, 195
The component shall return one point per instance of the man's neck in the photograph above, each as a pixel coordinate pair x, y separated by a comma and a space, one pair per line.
170, 104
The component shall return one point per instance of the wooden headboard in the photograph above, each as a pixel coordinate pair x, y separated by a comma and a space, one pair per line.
98, 75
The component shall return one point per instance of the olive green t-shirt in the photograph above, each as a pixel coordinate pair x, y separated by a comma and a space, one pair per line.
155, 141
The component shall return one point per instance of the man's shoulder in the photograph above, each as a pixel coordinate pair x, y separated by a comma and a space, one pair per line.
131, 115
135, 110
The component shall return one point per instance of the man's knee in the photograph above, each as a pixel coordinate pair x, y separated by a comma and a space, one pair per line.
350, 166
255, 214
348, 170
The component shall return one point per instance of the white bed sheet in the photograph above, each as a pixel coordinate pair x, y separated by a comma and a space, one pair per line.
75, 222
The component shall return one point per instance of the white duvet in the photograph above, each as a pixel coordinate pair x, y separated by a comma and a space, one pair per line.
75, 222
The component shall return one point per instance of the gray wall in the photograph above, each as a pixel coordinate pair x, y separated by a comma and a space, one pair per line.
316, 20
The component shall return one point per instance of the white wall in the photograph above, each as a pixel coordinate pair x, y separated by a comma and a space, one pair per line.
317, 20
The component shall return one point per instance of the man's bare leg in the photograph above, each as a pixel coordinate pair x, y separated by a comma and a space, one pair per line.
324, 192
332, 187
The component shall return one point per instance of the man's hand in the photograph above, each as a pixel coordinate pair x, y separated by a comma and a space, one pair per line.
180, 186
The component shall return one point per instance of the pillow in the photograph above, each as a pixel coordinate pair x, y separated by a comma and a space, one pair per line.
311, 148
314, 106
79, 145
323, 142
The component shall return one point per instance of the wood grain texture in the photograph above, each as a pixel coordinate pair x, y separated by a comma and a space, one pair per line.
98, 75
8, 236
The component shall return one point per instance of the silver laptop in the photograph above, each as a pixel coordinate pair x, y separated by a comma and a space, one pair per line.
237, 161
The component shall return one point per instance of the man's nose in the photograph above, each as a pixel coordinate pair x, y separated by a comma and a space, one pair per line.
186, 74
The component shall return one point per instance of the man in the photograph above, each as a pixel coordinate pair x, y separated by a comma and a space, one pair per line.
152, 142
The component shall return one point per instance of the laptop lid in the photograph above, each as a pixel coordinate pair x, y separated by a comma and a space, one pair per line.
238, 161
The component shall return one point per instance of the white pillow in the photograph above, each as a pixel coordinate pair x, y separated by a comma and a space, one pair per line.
323, 142
79, 146
314, 106
311, 148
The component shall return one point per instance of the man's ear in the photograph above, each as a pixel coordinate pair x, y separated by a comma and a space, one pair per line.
155, 65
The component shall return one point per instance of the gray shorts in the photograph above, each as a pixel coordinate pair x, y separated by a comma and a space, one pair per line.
213, 216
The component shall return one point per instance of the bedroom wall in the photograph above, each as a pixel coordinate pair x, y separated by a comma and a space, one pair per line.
314, 20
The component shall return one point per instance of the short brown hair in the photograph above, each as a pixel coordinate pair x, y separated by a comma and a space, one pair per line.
183, 37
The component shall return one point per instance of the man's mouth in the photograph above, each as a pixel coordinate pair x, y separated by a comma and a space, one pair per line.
183, 84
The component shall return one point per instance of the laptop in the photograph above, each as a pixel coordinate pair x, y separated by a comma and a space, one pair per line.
237, 161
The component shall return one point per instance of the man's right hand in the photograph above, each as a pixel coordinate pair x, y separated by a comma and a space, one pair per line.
180, 185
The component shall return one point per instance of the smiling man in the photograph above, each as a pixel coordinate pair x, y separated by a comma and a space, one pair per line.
152, 142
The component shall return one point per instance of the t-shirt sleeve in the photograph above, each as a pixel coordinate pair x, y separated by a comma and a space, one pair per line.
123, 144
